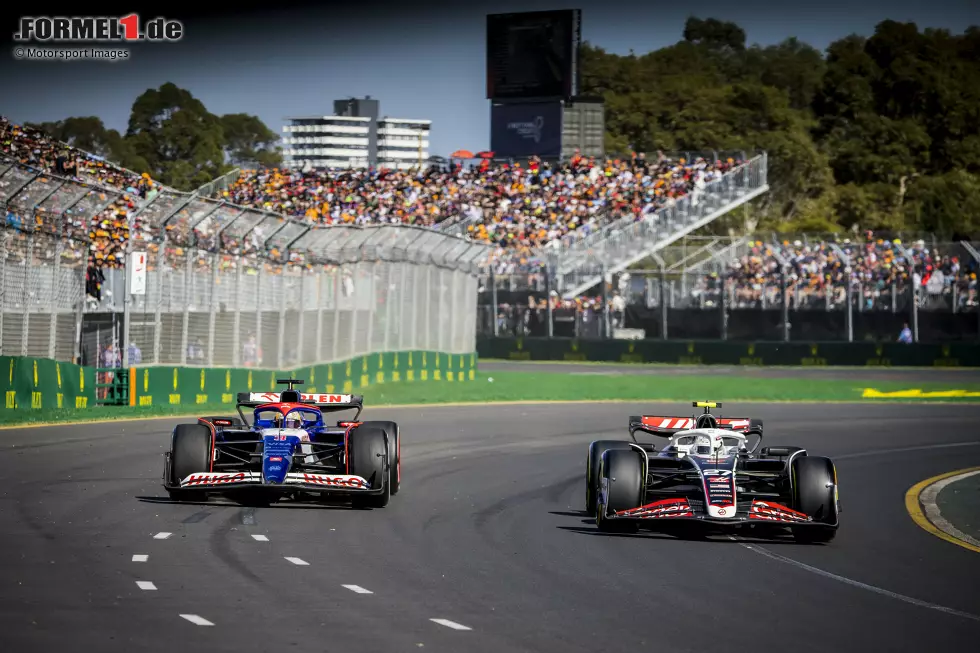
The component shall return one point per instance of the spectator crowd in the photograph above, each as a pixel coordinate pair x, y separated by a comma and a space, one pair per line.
881, 272
94, 224
517, 209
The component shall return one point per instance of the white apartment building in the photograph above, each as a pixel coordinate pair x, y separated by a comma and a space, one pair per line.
327, 142
403, 144
355, 142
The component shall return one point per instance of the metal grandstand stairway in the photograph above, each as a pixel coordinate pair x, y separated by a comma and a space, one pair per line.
579, 264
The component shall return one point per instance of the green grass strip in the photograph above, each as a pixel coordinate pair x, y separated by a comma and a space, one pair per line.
552, 386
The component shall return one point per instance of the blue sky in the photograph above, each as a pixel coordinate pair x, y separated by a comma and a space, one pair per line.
425, 61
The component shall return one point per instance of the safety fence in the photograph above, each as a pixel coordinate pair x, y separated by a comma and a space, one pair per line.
703, 306
808, 354
105, 279
45, 386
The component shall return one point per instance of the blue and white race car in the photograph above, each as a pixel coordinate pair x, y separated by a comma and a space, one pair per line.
708, 477
286, 451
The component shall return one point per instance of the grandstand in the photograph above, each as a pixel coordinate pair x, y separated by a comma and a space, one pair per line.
733, 288
219, 276
618, 209
580, 219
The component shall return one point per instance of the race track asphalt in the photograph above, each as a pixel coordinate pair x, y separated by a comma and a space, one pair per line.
488, 533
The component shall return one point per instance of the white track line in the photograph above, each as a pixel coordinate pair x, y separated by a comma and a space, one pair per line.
358, 589
198, 620
140, 557
145, 585
855, 583
297, 561
878, 452
162, 536
451, 624
260, 538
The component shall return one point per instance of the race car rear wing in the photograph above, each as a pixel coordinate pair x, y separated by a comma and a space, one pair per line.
667, 426
325, 402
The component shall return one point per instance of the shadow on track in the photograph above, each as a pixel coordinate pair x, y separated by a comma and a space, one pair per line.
234, 504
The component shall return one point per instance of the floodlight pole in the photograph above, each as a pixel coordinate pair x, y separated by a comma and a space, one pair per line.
850, 303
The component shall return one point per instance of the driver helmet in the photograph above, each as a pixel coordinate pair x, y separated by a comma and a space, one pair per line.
293, 422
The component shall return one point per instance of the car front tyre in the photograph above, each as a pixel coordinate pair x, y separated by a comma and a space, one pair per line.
815, 494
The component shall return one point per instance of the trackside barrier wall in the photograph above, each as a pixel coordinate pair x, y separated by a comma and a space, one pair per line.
38, 384
188, 386
861, 354
42, 384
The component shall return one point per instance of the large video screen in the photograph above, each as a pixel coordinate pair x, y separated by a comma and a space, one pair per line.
533, 54
527, 129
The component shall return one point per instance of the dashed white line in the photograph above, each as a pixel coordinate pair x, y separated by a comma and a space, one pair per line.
196, 619
451, 624
162, 536
259, 538
358, 589
297, 561
145, 585
140, 557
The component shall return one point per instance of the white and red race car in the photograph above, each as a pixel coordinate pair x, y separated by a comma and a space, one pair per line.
707, 476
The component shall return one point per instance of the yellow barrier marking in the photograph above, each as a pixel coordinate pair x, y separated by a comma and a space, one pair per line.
132, 386
914, 508
871, 393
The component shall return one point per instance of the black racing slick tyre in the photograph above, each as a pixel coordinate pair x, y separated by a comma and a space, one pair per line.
367, 457
815, 494
394, 452
190, 453
596, 449
621, 471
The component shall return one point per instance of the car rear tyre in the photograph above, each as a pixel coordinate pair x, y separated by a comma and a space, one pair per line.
815, 490
622, 473
394, 452
190, 453
596, 449
367, 455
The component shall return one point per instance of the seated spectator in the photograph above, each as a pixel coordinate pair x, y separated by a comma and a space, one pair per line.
516, 208
882, 271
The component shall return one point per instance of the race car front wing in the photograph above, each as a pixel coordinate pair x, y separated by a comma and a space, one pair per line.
292, 481
679, 508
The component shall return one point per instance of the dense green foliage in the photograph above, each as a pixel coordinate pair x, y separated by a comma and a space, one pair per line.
173, 136
876, 133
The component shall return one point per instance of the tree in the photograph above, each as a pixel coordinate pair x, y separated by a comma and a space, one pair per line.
86, 133
248, 142
714, 34
182, 142
172, 136
881, 132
